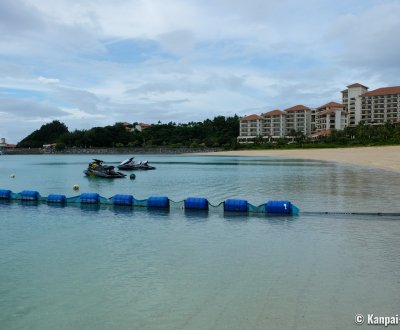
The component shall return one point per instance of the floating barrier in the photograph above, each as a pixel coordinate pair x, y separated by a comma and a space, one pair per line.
29, 195
53, 198
90, 198
5, 194
194, 203
278, 207
154, 202
161, 202
235, 205
126, 200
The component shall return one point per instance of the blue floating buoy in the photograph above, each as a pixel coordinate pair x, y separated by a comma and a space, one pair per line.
196, 203
29, 195
54, 198
235, 205
278, 207
158, 202
89, 198
5, 194
122, 200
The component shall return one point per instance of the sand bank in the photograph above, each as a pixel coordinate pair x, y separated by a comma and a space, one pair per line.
387, 158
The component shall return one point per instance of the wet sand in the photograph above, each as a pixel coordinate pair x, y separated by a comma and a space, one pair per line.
386, 158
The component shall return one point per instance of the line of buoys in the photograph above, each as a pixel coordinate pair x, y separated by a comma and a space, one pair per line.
190, 203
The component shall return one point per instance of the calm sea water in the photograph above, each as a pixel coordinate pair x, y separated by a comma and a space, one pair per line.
105, 268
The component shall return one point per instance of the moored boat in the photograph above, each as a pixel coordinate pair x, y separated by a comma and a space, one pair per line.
96, 168
130, 165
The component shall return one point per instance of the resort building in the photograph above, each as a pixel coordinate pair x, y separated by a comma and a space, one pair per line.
330, 116
298, 118
273, 124
374, 107
250, 128
351, 99
381, 105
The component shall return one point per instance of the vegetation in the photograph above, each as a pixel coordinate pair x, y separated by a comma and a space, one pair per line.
47, 134
221, 132
361, 135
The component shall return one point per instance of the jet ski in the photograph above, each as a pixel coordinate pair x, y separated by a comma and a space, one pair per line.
130, 165
127, 164
96, 168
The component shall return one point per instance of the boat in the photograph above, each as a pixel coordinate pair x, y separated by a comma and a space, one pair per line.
130, 165
96, 168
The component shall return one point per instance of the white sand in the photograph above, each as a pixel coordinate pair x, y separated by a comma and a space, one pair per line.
387, 158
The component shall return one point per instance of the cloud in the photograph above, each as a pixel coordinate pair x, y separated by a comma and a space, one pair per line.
178, 41
17, 16
26, 109
48, 80
94, 63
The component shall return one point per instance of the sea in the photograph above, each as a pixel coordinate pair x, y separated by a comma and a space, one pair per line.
88, 267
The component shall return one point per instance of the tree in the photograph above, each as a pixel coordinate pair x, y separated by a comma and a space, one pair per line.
47, 134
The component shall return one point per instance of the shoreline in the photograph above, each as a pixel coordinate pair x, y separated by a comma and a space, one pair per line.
112, 151
385, 157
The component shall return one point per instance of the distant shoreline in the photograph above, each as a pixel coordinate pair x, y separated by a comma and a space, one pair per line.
113, 151
385, 157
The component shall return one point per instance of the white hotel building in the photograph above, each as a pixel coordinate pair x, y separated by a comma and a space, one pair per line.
358, 104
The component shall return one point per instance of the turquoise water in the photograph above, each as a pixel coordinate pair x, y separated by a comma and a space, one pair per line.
100, 268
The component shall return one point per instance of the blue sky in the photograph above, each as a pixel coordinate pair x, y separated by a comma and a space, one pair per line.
93, 63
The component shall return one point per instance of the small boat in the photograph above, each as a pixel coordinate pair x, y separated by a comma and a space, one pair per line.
96, 168
130, 165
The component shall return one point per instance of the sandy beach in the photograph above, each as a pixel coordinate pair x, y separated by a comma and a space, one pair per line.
386, 158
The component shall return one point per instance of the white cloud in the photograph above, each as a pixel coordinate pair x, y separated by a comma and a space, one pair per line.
95, 63
48, 80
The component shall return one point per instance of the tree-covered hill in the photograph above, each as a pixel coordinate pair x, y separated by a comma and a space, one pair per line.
218, 132
48, 133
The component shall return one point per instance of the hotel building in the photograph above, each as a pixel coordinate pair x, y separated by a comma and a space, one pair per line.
381, 105
358, 104
330, 116
250, 128
352, 102
273, 124
298, 118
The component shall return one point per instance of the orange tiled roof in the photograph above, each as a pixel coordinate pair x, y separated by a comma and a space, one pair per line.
251, 117
298, 107
383, 91
331, 105
356, 85
275, 113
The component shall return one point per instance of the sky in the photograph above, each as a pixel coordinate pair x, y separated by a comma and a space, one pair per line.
96, 62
